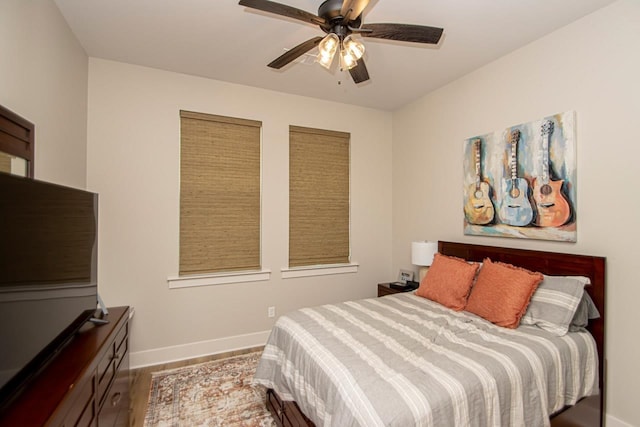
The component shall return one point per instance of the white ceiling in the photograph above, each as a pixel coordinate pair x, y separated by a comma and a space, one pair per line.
221, 40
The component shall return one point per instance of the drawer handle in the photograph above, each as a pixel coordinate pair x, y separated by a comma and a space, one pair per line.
115, 399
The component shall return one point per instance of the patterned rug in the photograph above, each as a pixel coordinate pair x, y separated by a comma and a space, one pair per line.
216, 393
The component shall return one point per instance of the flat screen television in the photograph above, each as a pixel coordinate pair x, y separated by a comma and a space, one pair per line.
48, 274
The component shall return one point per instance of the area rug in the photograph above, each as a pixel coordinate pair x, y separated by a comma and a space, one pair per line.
216, 393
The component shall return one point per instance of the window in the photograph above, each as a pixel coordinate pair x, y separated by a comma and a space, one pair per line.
5, 162
219, 194
318, 197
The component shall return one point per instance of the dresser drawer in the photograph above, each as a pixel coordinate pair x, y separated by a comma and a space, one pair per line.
115, 411
88, 417
121, 338
121, 351
110, 363
82, 412
106, 374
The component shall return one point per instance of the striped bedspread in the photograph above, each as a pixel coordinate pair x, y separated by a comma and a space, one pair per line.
403, 360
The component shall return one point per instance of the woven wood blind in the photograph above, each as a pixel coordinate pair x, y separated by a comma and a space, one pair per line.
219, 193
318, 197
5, 163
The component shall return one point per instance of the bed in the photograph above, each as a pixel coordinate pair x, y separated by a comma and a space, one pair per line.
401, 362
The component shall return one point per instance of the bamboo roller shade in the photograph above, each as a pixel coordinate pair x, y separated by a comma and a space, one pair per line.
318, 197
5, 163
219, 194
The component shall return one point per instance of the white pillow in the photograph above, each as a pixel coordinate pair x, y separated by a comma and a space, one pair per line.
554, 303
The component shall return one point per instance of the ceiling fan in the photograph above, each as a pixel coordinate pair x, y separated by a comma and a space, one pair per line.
340, 19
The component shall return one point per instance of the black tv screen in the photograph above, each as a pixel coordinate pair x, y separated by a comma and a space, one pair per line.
48, 273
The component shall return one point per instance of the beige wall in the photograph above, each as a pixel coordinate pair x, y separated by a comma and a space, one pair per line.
133, 162
43, 78
592, 67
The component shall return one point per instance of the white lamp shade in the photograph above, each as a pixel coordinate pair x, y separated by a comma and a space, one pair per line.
422, 253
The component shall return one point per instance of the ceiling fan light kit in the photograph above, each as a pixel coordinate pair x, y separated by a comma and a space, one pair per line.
350, 51
339, 19
327, 49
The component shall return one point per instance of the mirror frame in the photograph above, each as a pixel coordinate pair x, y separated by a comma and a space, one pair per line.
17, 137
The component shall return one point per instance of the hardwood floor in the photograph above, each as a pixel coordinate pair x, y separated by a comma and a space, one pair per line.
141, 381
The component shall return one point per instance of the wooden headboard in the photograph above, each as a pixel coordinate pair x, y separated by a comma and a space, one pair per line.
551, 263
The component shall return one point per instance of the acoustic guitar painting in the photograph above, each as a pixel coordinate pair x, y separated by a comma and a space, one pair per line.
552, 207
515, 208
479, 209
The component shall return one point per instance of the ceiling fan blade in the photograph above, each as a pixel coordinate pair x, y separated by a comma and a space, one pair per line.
284, 10
351, 9
359, 73
403, 32
294, 53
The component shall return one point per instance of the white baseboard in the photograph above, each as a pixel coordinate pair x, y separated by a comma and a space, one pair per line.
175, 353
611, 421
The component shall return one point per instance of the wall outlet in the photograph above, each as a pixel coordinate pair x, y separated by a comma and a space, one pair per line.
271, 311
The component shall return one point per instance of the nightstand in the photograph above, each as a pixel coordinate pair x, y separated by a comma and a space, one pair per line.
385, 289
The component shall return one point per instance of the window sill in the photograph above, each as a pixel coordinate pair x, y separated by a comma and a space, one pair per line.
218, 279
319, 270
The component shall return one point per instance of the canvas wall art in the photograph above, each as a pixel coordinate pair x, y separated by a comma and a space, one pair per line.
521, 181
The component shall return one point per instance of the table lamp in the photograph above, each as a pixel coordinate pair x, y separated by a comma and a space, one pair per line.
422, 254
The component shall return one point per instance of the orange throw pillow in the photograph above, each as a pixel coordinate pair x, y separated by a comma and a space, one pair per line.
448, 281
502, 292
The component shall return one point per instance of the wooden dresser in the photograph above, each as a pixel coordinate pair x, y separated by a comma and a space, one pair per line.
86, 384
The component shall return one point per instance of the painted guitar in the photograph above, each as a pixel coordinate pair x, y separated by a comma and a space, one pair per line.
515, 208
479, 208
553, 208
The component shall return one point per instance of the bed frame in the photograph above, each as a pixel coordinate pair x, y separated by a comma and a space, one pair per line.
551, 263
